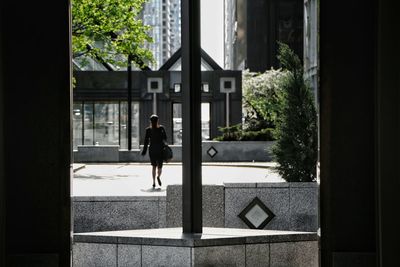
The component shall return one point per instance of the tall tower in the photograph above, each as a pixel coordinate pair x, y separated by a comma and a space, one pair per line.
164, 17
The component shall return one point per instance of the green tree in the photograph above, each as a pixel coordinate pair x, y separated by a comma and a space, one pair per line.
109, 31
296, 147
262, 98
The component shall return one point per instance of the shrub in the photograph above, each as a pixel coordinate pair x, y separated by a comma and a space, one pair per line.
235, 133
267, 134
296, 147
230, 133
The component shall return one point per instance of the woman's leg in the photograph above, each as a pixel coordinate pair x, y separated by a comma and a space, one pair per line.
154, 174
159, 171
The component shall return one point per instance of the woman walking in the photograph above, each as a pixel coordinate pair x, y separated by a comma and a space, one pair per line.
155, 136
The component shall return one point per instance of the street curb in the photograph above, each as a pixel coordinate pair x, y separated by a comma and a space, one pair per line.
77, 167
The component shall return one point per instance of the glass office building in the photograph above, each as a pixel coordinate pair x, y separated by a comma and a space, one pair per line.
164, 17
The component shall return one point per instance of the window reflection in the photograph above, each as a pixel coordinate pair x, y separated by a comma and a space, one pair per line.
104, 123
88, 118
135, 124
124, 125
177, 122
205, 121
77, 124
106, 127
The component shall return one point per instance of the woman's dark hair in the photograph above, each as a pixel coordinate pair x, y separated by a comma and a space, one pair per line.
154, 120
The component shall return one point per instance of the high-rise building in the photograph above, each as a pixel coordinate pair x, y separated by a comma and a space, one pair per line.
311, 50
164, 17
252, 29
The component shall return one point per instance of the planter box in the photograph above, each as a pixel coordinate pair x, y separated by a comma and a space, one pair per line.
295, 205
212, 151
236, 151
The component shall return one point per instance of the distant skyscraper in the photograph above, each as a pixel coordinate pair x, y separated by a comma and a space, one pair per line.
164, 16
311, 32
252, 29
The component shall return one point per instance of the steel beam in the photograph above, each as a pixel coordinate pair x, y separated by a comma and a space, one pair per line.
191, 118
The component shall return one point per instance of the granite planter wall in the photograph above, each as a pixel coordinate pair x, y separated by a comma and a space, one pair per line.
213, 206
212, 151
215, 247
295, 205
97, 154
118, 213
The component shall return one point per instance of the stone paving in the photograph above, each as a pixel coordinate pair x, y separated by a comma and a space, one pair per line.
134, 179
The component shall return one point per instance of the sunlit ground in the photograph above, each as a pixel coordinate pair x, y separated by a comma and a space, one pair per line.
135, 179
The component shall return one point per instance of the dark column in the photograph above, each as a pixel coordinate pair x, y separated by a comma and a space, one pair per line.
388, 132
2, 165
36, 99
129, 77
348, 228
191, 121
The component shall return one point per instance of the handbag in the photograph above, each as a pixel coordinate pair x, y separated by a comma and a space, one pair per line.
167, 153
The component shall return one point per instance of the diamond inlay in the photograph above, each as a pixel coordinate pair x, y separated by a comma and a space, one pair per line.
212, 152
256, 215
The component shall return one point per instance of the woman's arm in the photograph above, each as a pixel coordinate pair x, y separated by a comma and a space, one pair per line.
146, 142
163, 134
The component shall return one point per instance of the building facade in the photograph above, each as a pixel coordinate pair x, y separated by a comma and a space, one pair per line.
164, 17
311, 33
100, 107
252, 29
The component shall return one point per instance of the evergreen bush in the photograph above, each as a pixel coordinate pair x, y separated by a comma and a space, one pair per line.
296, 146
235, 133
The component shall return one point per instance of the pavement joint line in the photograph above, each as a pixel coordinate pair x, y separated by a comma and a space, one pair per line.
217, 164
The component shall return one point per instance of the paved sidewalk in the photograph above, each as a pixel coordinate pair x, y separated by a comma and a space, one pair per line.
134, 179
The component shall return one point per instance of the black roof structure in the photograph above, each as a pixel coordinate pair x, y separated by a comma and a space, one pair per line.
178, 54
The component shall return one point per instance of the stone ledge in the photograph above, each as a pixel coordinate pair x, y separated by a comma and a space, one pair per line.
303, 184
117, 198
210, 237
273, 185
240, 185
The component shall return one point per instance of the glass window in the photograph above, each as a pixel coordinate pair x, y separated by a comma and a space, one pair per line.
177, 123
77, 124
205, 121
124, 125
177, 87
205, 88
227, 84
88, 123
106, 127
135, 124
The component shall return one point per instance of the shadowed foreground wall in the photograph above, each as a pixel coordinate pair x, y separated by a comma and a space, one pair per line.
359, 133
359, 119
36, 98
347, 134
2, 196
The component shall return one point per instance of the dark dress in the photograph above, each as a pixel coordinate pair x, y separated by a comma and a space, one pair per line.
156, 137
